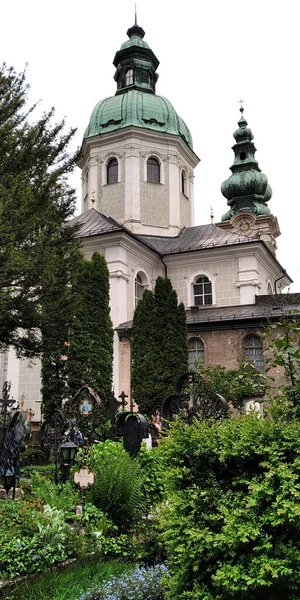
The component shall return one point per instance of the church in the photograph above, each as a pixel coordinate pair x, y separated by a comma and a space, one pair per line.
137, 209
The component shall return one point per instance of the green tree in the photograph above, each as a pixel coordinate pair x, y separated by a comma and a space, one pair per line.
58, 310
35, 201
284, 352
231, 523
91, 332
159, 348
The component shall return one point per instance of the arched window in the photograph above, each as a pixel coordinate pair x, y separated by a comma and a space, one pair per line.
270, 289
129, 77
153, 170
112, 171
139, 288
196, 350
183, 182
202, 291
253, 350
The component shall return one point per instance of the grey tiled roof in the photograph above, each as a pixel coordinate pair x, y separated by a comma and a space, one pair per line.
92, 222
194, 238
266, 308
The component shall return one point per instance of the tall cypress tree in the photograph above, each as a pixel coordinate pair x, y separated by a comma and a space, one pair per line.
91, 333
159, 348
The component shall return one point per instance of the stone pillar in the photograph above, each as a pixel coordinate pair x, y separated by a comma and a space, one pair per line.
174, 191
248, 281
132, 185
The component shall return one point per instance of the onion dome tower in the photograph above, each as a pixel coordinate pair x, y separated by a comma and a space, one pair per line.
137, 155
135, 102
247, 191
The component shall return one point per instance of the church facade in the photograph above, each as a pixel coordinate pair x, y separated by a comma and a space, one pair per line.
137, 210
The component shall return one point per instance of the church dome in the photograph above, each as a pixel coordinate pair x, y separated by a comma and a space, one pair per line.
135, 102
139, 109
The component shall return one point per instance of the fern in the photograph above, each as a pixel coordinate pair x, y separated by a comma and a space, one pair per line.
61, 497
118, 489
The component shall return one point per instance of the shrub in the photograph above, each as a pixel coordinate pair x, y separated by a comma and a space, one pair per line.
33, 456
231, 524
31, 538
152, 467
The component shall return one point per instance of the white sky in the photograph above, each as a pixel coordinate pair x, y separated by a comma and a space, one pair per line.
211, 54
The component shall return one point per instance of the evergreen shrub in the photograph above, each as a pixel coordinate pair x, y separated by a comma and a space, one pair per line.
231, 522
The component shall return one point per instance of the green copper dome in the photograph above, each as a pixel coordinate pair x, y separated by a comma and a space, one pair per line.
138, 109
135, 102
247, 188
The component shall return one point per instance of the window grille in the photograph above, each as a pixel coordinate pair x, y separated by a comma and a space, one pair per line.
195, 350
253, 350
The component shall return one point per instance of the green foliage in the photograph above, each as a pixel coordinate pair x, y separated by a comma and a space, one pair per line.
159, 349
33, 456
62, 497
152, 467
284, 352
35, 538
236, 384
91, 333
67, 583
37, 249
118, 487
142, 584
231, 523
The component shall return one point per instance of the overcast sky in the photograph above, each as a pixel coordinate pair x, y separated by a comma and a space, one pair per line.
211, 55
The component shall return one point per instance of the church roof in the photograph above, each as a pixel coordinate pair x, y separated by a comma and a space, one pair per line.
137, 108
93, 222
198, 237
267, 308
194, 238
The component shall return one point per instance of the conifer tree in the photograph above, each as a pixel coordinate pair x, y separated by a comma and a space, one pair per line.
35, 201
159, 348
91, 333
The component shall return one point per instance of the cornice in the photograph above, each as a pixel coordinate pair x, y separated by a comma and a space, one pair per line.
123, 135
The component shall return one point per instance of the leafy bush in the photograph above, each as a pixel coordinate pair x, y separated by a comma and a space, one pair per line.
32, 538
34, 456
231, 523
235, 384
142, 584
152, 467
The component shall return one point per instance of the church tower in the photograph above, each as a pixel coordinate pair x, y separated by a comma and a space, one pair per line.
248, 192
137, 154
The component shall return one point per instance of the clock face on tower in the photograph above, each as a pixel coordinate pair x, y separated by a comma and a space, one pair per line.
244, 226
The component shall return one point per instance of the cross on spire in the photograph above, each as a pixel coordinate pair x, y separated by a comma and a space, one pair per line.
241, 107
135, 15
